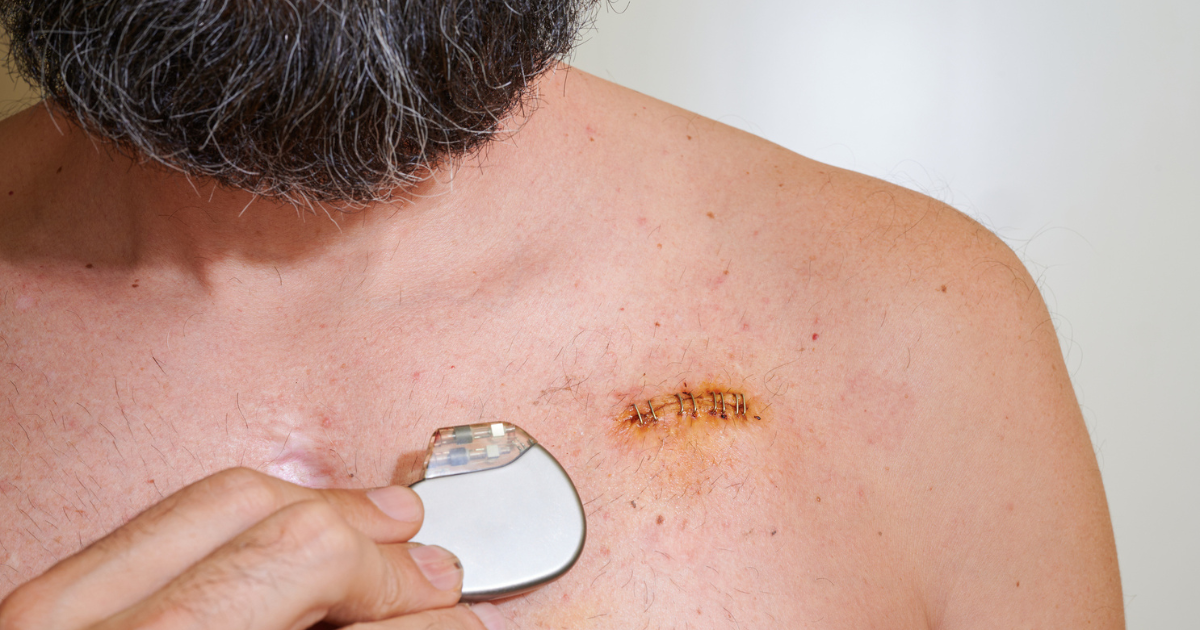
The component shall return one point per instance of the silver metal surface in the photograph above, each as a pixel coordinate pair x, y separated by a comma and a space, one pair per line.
513, 528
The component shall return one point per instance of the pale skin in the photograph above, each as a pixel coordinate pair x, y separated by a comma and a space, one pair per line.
921, 461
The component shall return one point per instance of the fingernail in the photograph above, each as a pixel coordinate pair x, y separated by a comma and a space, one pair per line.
489, 615
398, 502
439, 566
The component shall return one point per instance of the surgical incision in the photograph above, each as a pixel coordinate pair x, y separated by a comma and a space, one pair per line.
689, 407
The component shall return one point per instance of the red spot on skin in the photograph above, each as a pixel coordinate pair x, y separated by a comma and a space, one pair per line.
641, 220
326, 422
416, 376
745, 326
815, 335
149, 481
324, 325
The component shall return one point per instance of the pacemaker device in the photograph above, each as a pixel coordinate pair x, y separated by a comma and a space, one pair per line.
501, 503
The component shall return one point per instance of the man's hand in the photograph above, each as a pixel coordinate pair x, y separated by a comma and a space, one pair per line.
241, 549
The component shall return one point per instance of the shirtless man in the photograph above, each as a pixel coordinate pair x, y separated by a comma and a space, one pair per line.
608, 272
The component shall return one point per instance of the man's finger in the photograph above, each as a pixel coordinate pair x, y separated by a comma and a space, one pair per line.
462, 617
296, 567
159, 544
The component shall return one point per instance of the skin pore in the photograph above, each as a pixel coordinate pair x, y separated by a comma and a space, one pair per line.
614, 252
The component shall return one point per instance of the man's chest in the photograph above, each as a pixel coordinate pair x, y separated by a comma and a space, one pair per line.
722, 522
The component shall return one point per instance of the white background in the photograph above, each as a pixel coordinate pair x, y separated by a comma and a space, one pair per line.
1070, 127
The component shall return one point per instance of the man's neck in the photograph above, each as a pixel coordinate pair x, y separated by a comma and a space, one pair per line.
77, 201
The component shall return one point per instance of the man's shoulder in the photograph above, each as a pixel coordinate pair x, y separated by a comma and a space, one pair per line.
923, 348
765, 196
806, 236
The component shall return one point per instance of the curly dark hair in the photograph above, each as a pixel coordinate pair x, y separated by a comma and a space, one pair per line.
298, 100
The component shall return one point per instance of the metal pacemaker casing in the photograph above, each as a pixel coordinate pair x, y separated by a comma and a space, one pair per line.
513, 528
